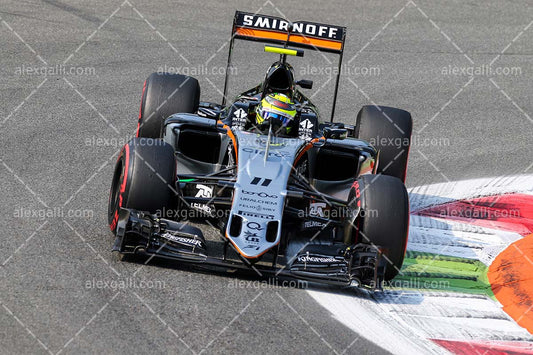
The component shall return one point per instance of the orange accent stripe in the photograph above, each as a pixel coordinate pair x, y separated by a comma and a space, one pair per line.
511, 278
294, 38
306, 148
244, 255
232, 137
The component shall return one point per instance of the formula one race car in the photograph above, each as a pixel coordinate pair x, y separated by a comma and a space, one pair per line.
290, 195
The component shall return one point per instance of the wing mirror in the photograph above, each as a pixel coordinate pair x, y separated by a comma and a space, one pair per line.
335, 133
305, 84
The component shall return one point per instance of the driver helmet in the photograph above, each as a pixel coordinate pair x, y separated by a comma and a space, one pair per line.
278, 111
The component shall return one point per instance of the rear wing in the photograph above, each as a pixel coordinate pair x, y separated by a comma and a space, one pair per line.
276, 30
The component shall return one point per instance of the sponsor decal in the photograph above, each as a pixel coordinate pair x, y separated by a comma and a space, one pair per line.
316, 209
316, 259
274, 142
244, 205
204, 191
256, 201
250, 246
203, 208
256, 215
252, 237
240, 113
257, 207
265, 208
313, 224
306, 129
260, 194
180, 239
264, 182
303, 28
239, 118
254, 226
278, 154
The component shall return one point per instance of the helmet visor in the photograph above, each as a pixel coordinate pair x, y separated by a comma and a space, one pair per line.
276, 118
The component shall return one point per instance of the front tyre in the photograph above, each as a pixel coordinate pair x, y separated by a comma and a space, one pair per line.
144, 179
384, 219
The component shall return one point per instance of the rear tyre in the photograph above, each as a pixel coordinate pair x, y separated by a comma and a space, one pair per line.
144, 179
384, 219
163, 95
389, 130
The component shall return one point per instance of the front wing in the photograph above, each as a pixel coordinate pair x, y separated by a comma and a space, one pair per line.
145, 234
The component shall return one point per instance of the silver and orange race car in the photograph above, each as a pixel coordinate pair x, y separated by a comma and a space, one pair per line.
321, 201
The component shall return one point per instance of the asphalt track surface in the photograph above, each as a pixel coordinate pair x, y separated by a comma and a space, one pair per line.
51, 156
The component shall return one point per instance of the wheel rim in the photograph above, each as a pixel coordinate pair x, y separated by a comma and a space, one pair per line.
114, 194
